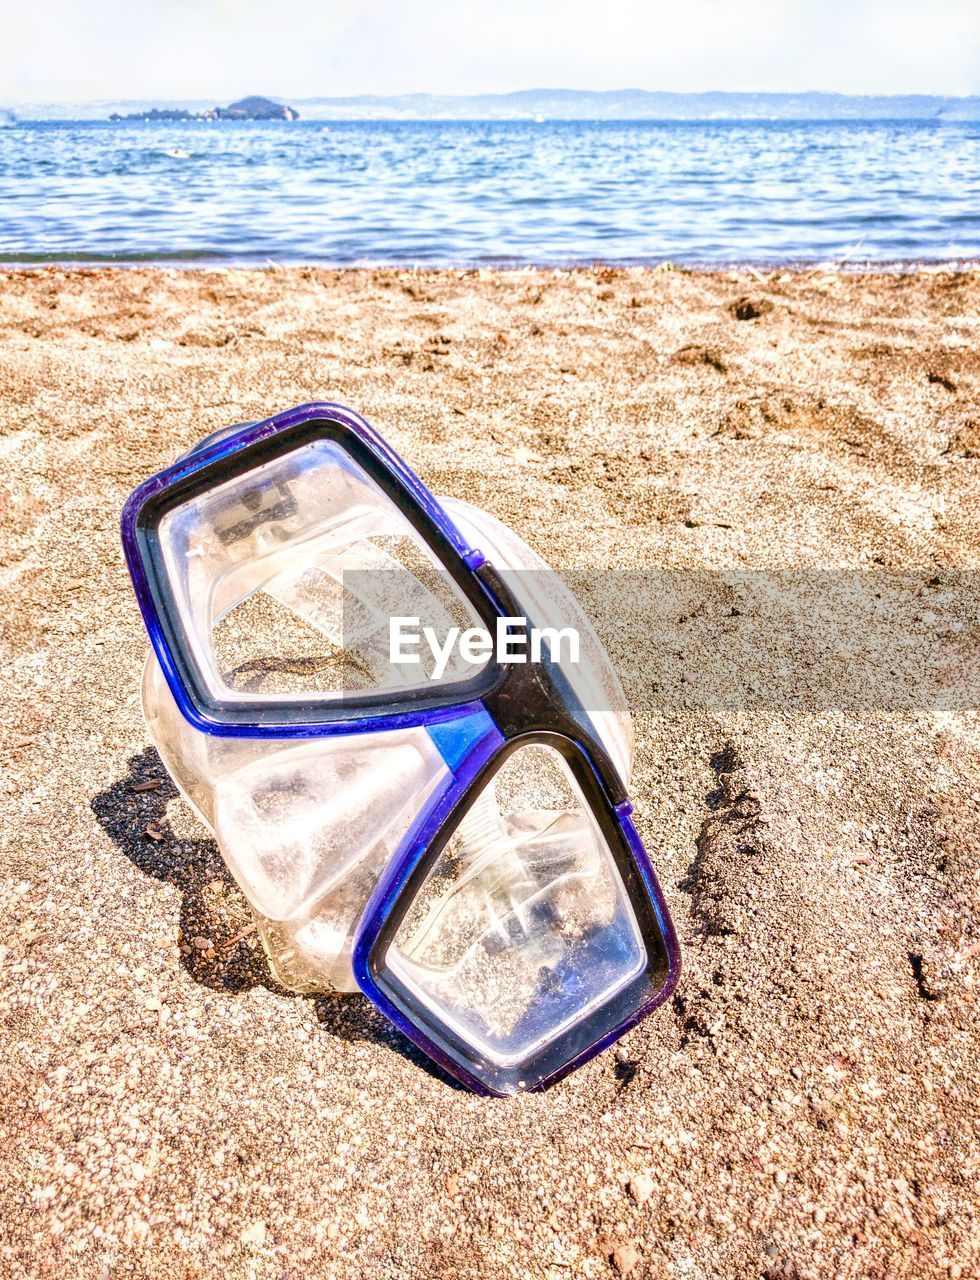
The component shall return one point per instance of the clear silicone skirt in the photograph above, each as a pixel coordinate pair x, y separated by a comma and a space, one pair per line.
307, 826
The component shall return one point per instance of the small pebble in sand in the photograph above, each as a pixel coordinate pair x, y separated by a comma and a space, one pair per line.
624, 1258
641, 1187
254, 1233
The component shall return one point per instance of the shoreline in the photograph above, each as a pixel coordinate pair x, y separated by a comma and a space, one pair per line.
755, 268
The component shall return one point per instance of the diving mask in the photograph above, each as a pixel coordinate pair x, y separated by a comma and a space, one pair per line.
443, 828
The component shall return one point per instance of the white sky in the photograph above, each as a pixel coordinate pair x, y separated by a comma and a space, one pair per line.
79, 50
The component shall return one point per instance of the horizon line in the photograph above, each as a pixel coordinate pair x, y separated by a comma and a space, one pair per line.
500, 93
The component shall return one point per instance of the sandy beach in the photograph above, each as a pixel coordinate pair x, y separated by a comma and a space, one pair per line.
785, 470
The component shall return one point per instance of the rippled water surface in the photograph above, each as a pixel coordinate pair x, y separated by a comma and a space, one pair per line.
489, 193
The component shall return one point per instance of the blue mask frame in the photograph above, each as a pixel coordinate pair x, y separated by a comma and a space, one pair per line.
475, 725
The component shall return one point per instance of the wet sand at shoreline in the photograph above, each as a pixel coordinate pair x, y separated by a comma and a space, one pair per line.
807, 1105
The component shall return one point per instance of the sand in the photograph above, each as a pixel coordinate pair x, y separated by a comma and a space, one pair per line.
810, 791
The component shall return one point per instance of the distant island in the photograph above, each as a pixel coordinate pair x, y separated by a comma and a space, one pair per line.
252, 108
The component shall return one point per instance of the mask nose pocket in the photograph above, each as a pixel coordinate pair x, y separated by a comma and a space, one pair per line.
522, 934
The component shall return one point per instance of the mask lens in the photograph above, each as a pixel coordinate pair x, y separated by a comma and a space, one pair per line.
286, 578
522, 930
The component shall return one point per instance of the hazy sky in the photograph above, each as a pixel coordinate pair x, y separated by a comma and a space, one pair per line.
78, 50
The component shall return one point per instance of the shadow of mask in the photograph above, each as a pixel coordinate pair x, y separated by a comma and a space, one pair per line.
219, 943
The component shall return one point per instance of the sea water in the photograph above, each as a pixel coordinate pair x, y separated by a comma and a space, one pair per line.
490, 193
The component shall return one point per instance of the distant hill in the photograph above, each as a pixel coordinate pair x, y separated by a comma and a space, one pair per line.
254, 108
549, 104
642, 104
